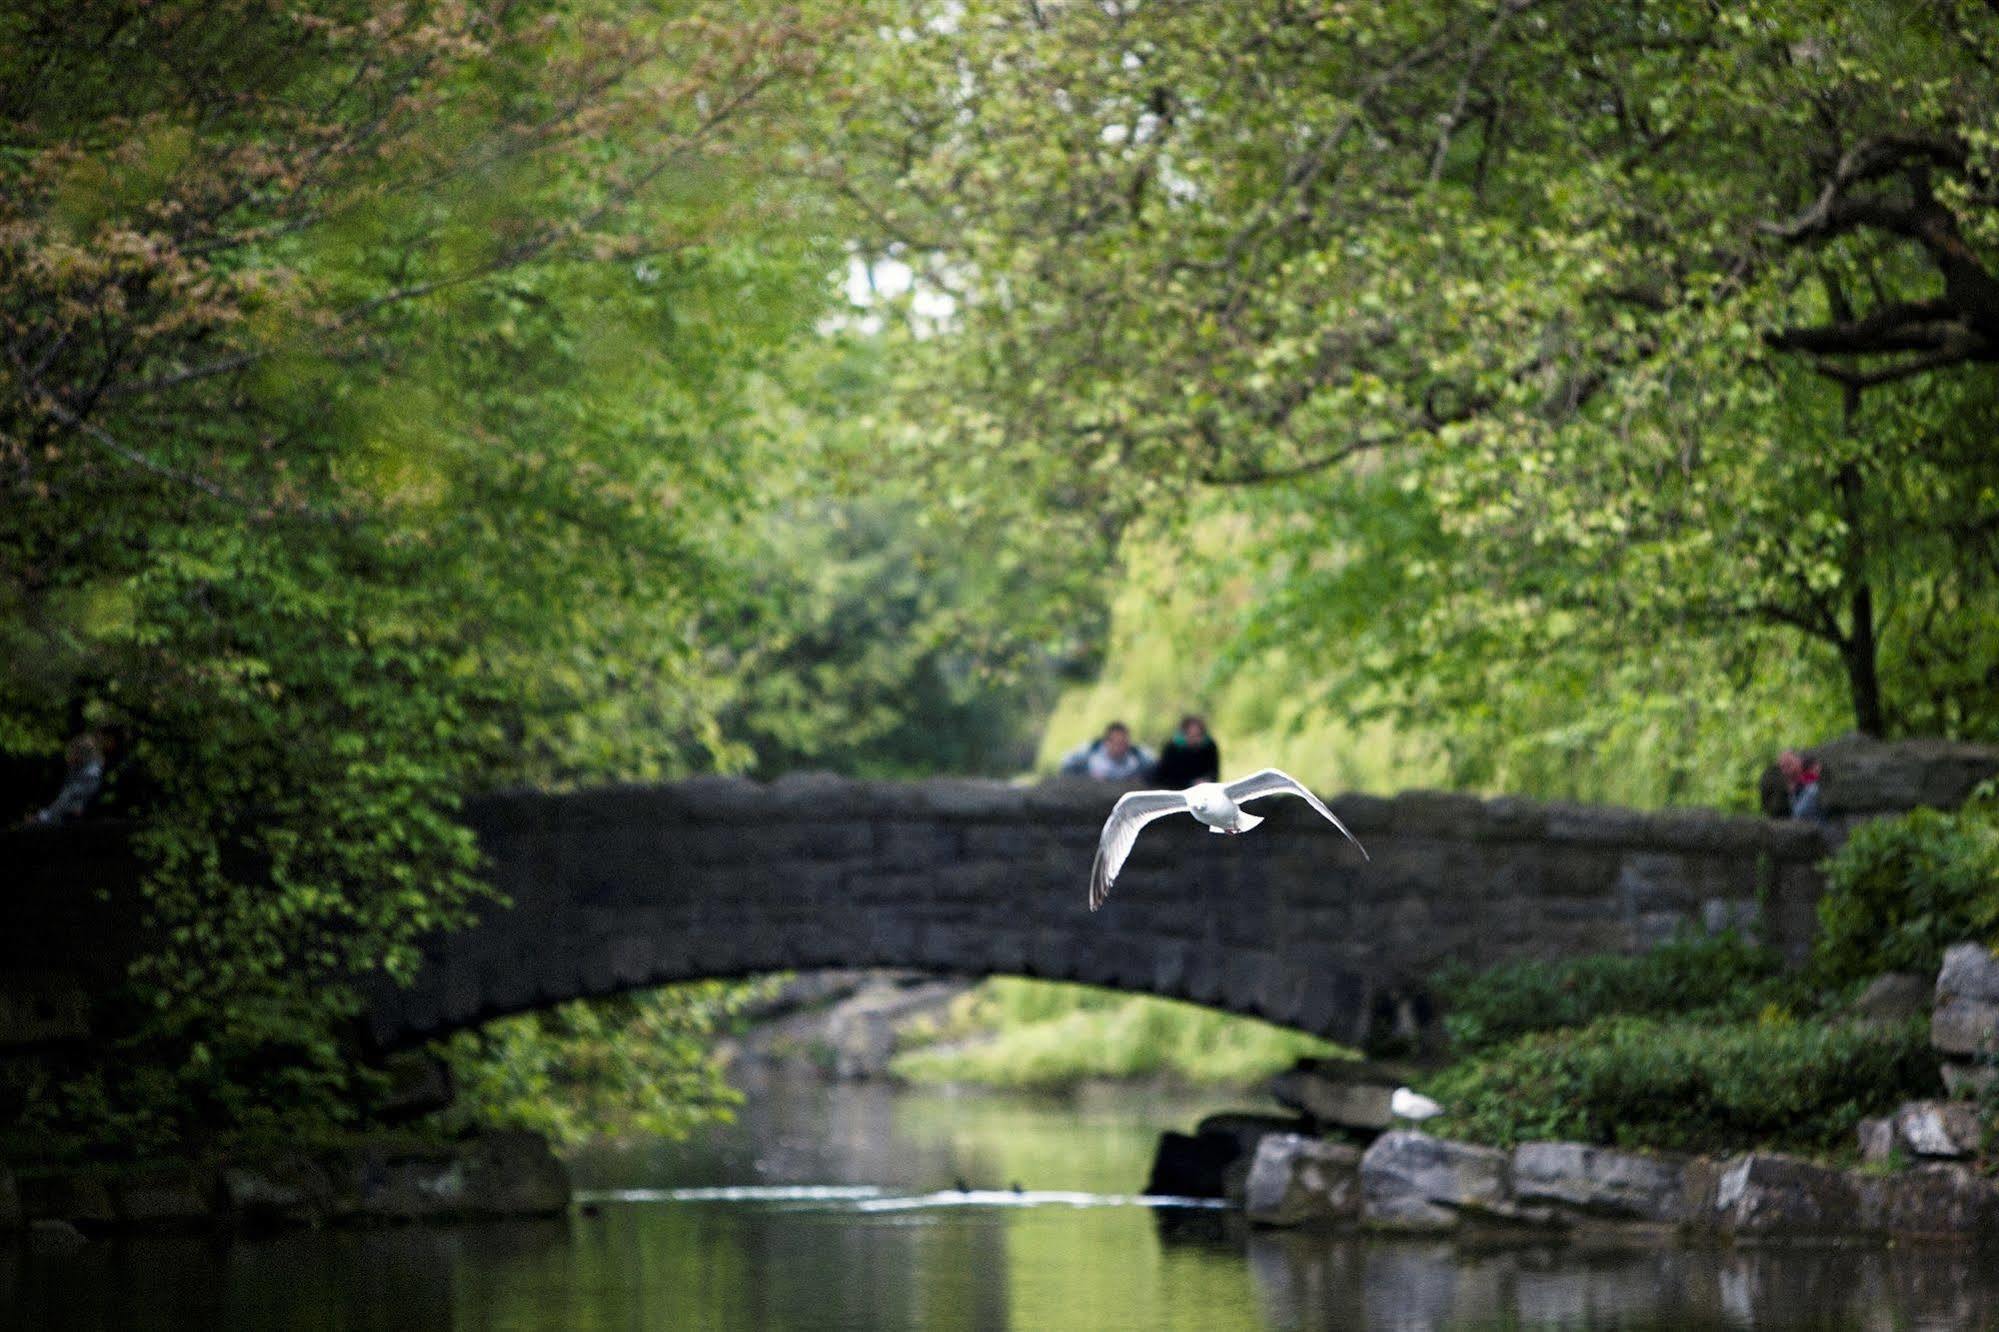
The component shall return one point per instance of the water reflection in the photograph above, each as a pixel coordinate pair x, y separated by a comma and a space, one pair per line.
717, 1234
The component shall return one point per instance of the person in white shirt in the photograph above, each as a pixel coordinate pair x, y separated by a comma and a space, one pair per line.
1111, 757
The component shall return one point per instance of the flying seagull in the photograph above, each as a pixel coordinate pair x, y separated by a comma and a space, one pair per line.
1215, 804
1407, 1104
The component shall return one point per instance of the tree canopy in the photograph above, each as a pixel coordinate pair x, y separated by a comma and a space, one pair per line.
1538, 329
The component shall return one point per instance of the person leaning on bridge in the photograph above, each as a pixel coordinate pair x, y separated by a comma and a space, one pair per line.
1111, 757
1190, 756
1789, 788
1801, 784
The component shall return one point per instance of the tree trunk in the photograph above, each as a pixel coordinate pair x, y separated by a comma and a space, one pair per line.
1862, 678
1859, 650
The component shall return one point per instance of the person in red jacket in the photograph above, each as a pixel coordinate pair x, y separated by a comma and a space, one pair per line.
1801, 780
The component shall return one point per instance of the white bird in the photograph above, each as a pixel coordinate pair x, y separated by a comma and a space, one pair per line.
1406, 1104
1215, 804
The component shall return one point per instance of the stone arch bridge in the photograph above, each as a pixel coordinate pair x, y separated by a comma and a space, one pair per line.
621, 888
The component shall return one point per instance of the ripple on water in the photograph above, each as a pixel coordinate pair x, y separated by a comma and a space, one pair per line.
871, 1198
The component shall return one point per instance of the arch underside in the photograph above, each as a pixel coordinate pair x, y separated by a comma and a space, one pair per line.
1324, 1000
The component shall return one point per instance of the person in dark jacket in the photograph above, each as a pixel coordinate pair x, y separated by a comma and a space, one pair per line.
1189, 757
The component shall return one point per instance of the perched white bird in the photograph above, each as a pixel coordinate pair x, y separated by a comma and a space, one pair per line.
1215, 804
1406, 1104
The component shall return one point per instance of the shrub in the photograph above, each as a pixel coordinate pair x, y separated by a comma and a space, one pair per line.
1902, 890
1676, 1084
1723, 976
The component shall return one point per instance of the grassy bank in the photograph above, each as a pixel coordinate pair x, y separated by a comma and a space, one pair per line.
1044, 1035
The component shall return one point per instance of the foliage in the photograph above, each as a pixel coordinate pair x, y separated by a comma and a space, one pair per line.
1529, 334
376, 401
882, 642
1715, 978
642, 1063
1902, 890
1179, 598
1668, 728
1687, 1085
1041, 1035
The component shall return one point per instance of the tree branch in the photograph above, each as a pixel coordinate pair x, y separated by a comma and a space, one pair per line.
1869, 160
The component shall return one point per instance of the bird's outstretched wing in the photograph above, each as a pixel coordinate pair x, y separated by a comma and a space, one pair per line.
1272, 782
1131, 813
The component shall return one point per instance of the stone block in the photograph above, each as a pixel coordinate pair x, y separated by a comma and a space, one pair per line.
1596, 825
1242, 980
1766, 1194
1946, 1130
846, 839
1245, 1128
1437, 812
1970, 971
1599, 1181
797, 796
1363, 814
1877, 1138
50, 1236
1509, 818
998, 840
1719, 914
1961, 1026
991, 802
1295, 1180
1937, 1201
1702, 831
1864, 776
912, 845
715, 800
1969, 1081
283, 1188
1894, 997
1214, 1160
1412, 1181
1349, 1094
1650, 882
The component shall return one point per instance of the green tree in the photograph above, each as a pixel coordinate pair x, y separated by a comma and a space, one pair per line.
376, 379
1542, 329
886, 638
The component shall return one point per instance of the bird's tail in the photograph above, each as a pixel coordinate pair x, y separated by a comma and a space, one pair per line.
1244, 821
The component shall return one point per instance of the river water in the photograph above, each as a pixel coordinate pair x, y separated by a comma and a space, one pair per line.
855, 1207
